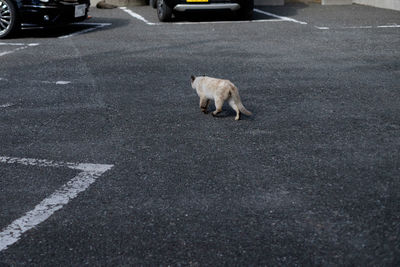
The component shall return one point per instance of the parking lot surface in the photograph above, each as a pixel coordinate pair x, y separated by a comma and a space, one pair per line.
107, 159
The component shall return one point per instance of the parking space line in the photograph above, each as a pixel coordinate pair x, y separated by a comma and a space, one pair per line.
56, 83
63, 82
359, 27
279, 17
321, 28
12, 51
6, 105
87, 175
389, 26
226, 22
20, 46
96, 26
137, 16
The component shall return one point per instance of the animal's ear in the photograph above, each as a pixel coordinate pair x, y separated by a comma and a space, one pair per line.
193, 78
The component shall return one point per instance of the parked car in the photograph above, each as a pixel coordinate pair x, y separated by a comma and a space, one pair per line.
165, 8
17, 14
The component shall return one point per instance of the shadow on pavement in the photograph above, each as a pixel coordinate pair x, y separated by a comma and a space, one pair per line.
57, 31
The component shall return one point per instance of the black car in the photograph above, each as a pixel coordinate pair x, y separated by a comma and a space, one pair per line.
165, 8
15, 14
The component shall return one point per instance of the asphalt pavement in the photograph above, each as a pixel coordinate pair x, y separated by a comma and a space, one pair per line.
312, 178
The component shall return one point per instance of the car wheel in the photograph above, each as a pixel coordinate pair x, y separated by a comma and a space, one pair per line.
164, 12
246, 11
9, 21
153, 3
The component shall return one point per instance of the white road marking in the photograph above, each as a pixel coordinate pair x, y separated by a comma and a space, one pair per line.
137, 16
360, 27
389, 26
62, 82
36, 81
13, 51
95, 27
21, 46
357, 27
322, 28
279, 17
227, 22
56, 83
6, 105
87, 175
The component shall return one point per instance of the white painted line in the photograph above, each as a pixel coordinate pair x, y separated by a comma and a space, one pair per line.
360, 27
6, 105
322, 28
12, 51
137, 16
88, 175
62, 82
141, 18
19, 44
95, 27
36, 81
279, 17
225, 22
22, 46
389, 26
56, 83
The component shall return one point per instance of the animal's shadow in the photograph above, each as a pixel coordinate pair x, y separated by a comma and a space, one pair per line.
227, 111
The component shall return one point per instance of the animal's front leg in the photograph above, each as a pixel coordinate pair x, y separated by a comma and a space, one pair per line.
204, 104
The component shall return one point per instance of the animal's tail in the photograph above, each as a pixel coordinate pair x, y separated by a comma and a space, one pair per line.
236, 98
244, 110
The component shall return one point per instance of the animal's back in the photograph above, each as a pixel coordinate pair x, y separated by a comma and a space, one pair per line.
217, 87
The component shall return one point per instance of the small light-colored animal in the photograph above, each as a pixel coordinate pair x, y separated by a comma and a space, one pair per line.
219, 90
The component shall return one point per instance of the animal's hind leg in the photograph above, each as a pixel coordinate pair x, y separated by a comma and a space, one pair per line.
235, 107
218, 106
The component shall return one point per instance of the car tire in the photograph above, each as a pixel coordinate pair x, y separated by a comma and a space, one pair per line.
246, 11
9, 19
153, 3
164, 12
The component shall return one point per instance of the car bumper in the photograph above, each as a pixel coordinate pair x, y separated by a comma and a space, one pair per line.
222, 6
43, 14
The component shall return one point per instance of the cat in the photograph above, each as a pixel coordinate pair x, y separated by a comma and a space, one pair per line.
219, 90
